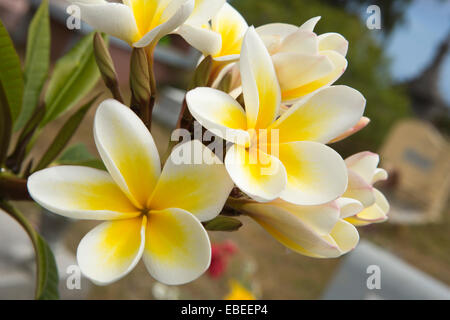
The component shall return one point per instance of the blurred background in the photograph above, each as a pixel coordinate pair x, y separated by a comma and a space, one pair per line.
403, 70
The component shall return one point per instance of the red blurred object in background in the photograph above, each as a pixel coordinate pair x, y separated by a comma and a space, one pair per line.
220, 255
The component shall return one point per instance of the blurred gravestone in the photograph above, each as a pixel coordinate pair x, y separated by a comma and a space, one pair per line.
418, 156
356, 278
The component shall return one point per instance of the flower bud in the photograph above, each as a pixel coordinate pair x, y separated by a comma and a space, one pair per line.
139, 77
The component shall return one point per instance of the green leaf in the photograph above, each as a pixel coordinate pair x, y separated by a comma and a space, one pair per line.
37, 62
10, 73
64, 135
5, 125
79, 155
74, 76
221, 223
47, 270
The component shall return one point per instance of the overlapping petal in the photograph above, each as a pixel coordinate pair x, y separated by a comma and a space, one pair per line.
115, 19
322, 117
203, 39
127, 150
314, 231
176, 13
80, 193
359, 189
198, 180
204, 11
364, 164
316, 174
333, 41
260, 175
339, 65
112, 249
230, 24
177, 247
220, 113
259, 82
375, 213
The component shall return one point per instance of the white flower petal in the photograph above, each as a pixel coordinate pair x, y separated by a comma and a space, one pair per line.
259, 82
127, 149
333, 41
316, 173
301, 41
272, 34
310, 24
230, 24
220, 113
345, 235
359, 189
324, 116
293, 230
206, 41
205, 183
349, 207
297, 69
177, 248
364, 164
80, 193
204, 11
261, 176
171, 23
115, 19
112, 249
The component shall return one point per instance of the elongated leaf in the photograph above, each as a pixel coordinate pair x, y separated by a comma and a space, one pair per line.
5, 125
47, 270
64, 135
10, 73
74, 76
37, 63
221, 223
79, 155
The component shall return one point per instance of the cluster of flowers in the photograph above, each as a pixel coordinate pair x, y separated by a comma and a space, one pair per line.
312, 201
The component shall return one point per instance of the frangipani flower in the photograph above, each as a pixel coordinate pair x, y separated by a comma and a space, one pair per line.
137, 22
150, 214
314, 231
362, 174
304, 62
222, 39
306, 171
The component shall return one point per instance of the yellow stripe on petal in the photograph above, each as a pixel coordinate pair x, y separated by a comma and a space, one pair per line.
261, 176
259, 82
339, 66
128, 150
316, 173
80, 193
231, 26
177, 247
112, 249
205, 185
324, 116
219, 113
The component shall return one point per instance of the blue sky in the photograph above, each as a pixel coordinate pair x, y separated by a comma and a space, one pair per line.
413, 44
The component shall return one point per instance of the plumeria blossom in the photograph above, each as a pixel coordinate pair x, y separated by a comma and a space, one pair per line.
137, 22
222, 38
363, 173
314, 231
304, 62
303, 170
150, 214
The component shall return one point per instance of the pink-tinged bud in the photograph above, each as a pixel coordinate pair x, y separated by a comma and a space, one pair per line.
362, 123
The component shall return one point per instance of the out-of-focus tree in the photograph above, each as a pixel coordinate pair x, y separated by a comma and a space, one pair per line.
368, 69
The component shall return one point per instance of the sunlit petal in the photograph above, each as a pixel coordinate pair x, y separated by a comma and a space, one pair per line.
127, 149
261, 176
112, 249
177, 247
259, 82
205, 185
80, 193
327, 114
333, 41
316, 173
